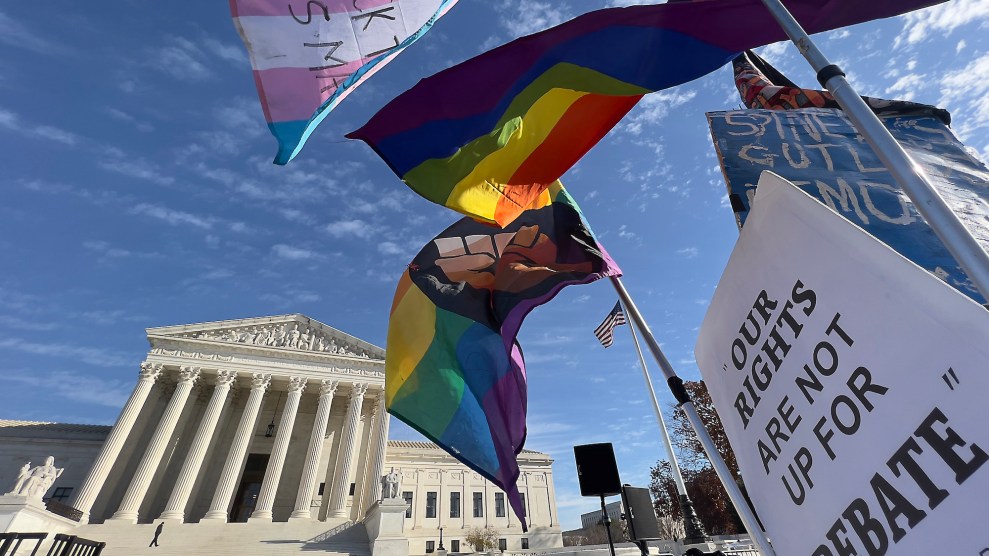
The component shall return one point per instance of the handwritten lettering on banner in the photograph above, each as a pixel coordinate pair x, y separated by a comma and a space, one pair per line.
358, 34
308, 55
820, 151
851, 385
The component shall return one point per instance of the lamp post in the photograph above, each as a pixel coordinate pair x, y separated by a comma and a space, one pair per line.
441, 539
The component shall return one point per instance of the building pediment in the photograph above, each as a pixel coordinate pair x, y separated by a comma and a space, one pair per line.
296, 332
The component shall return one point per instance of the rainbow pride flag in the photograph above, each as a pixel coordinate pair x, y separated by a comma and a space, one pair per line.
485, 137
308, 55
453, 368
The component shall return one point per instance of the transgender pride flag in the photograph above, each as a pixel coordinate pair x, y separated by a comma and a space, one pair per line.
308, 55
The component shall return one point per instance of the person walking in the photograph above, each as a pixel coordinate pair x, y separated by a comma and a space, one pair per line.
154, 541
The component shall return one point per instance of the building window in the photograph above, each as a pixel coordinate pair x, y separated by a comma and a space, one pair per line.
478, 504
430, 504
454, 504
322, 487
407, 496
499, 504
502, 544
525, 543
430, 546
352, 487
61, 494
525, 508
455, 546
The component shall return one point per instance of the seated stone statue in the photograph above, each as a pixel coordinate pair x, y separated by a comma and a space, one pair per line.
36, 482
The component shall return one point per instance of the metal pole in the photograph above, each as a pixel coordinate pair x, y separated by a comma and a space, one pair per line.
677, 477
908, 174
607, 525
681, 395
694, 532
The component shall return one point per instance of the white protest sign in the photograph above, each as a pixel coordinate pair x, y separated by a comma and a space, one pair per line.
852, 385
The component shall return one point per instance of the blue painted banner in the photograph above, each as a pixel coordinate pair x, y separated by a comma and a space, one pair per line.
820, 151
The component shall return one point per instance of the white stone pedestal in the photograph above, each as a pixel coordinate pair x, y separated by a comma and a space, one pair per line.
20, 514
384, 522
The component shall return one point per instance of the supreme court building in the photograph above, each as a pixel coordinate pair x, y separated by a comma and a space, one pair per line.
272, 421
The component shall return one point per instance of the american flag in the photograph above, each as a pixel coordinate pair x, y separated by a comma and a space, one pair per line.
606, 330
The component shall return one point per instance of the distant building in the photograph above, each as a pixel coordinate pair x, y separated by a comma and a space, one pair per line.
590, 519
273, 420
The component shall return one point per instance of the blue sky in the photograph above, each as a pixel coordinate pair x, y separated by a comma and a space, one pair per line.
138, 191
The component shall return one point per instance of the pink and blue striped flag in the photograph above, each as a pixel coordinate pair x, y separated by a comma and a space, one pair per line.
308, 55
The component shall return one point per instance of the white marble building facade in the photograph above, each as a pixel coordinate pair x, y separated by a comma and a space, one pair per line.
269, 420
443, 493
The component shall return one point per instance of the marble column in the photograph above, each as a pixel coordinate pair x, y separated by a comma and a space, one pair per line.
440, 499
238, 449
273, 473
303, 501
487, 504
145, 472
551, 492
115, 442
345, 456
175, 509
420, 494
380, 448
466, 500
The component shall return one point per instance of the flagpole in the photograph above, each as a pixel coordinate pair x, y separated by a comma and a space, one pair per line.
956, 237
683, 398
694, 532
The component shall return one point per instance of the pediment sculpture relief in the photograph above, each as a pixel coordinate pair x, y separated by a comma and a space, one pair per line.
292, 335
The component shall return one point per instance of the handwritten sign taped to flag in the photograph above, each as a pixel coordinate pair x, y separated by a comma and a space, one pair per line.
821, 152
851, 385
307, 55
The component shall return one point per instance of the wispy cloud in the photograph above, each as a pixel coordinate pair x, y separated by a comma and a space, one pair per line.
294, 300
652, 109
173, 217
11, 121
525, 18
688, 252
56, 134
226, 51
355, 228
943, 19
92, 356
84, 388
16, 34
290, 253
967, 89
182, 59
112, 316
7, 321
137, 168
905, 87
105, 250
189, 60
120, 115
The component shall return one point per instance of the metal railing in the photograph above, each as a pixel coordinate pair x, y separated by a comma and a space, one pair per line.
71, 545
10, 542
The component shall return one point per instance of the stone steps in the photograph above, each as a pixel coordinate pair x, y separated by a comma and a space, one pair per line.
339, 537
